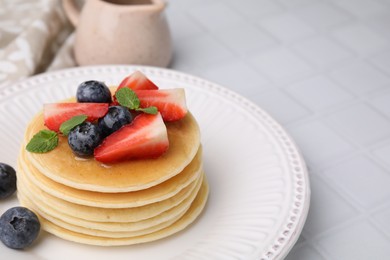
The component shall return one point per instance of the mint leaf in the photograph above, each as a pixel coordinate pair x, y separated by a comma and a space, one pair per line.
148, 110
43, 142
68, 125
127, 98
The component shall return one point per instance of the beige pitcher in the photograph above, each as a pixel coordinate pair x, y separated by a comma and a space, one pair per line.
120, 32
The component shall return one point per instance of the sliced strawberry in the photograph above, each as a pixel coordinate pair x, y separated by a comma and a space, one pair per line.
57, 113
171, 103
145, 137
137, 80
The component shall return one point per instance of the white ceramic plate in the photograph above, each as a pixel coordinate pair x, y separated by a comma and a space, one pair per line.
259, 188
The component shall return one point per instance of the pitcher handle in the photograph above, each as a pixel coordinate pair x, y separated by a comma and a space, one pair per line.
72, 11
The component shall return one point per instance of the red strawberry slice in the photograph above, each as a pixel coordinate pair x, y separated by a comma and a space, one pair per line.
56, 113
171, 103
137, 80
146, 137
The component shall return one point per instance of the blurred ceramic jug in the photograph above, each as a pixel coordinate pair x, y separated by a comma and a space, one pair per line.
120, 32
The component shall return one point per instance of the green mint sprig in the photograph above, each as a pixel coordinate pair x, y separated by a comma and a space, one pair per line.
127, 98
46, 140
42, 142
68, 125
148, 110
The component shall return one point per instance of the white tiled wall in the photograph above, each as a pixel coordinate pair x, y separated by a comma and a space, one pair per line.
322, 69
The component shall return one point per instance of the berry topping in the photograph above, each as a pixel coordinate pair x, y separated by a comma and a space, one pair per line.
93, 91
115, 118
19, 227
84, 138
146, 137
137, 80
56, 114
7, 180
171, 103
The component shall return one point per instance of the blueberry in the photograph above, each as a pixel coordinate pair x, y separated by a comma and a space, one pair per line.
84, 138
19, 227
93, 91
115, 118
7, 180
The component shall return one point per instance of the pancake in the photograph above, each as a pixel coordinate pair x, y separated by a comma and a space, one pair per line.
100, 233
109, 229
131, 202
104, 214
192, 213
157, 193
61, 166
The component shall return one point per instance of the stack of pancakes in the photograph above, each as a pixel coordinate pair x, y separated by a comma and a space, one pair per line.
125, 203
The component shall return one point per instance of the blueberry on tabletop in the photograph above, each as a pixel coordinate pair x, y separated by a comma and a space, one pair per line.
19, 227
93, 91
84, 138
7, 180
116, 117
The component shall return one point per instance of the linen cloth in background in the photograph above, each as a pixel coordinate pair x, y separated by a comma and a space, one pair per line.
35, 36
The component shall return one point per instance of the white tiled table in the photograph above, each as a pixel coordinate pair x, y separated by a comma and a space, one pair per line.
322, 69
